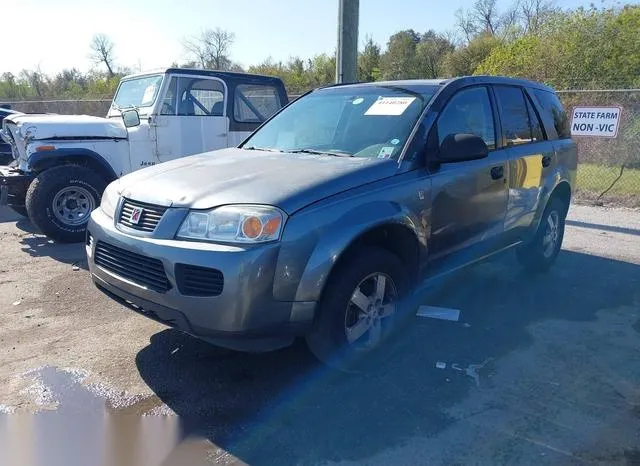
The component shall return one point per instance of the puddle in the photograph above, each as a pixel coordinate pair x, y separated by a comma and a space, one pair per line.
81, 423
64, 391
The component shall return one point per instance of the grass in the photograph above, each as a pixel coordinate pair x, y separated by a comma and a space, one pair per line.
594, 179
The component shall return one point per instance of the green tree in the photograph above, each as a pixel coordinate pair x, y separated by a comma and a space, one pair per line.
430, 54
399, 61
369, 61
464, 61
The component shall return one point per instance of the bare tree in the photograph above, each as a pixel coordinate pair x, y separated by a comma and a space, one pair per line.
102, 52
211, 48
485, 15
534, 13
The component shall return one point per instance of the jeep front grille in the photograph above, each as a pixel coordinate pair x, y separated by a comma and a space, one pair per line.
148, 219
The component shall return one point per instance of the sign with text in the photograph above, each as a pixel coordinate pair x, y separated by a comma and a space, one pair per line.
595, 121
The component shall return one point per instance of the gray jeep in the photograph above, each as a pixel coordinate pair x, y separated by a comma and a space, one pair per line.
321, 222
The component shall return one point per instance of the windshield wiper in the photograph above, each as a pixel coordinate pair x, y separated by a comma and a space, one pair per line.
266, 149
319, 152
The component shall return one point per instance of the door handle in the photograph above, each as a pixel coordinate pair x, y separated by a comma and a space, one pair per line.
497, 172
546, 160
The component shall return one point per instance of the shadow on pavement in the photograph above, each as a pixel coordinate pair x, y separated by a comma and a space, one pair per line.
39, 246
598, 226
284, 408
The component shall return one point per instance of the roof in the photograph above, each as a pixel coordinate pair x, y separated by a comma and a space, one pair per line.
419, 84
226, 75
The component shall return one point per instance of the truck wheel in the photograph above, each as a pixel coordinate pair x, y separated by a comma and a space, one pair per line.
358, 307
20, 210
60, 200
541, 252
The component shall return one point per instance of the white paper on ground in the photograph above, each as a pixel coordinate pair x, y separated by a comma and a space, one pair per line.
442, 313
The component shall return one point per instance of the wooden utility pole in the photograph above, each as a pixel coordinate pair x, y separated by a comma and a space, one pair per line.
347, 52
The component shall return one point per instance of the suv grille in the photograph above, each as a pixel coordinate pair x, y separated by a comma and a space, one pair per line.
139, 269
199, 281
149, 218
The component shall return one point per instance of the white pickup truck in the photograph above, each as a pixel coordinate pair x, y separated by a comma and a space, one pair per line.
62, 163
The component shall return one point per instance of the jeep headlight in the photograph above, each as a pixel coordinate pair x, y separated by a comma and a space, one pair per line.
110, 199
234, 224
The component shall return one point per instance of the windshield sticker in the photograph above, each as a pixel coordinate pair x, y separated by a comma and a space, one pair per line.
149, 94
358, 101
386, 152
390, 106
395, 141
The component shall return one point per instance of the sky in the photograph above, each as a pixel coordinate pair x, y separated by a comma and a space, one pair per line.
148, 34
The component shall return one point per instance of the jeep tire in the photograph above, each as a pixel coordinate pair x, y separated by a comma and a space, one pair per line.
541, 252
352, 296
60, 200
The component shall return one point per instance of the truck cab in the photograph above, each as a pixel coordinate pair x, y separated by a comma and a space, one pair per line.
62, 163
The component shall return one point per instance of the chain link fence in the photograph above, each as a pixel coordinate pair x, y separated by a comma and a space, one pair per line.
608, 168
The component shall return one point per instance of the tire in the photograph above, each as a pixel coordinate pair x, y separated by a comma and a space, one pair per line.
19, 209
539, 254
339, 316
60, 200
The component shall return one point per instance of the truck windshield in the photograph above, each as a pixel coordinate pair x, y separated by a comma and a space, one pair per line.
138, 92
359, 121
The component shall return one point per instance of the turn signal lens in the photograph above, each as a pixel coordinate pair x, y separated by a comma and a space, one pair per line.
272, 226
252, 227
45, 148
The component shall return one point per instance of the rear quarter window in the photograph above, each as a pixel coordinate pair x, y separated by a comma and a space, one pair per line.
553, 112
254, 103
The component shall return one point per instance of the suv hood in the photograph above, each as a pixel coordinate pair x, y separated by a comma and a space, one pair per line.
34, 127
238, 176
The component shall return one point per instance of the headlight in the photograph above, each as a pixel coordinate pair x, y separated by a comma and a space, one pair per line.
110, 199
234, 224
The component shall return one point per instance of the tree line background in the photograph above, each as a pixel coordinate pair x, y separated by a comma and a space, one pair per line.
585, 48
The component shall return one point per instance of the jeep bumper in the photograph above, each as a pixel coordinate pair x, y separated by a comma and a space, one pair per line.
13, 186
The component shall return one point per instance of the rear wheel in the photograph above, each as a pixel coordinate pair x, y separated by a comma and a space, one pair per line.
540, 254
60, 200
359, 306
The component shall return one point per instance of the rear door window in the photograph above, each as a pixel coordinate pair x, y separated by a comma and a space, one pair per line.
516, 127
537, 131
554, 113
255, 103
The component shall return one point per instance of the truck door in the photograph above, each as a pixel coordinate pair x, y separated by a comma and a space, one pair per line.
469, 198
192, 117
530, 156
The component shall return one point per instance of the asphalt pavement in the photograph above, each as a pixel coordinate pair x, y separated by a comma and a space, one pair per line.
542, 370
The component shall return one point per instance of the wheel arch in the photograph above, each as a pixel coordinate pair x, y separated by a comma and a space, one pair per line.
41, 161
395, 237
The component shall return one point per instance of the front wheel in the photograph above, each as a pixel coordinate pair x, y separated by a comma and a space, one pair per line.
540, 254
359, 306
60, 200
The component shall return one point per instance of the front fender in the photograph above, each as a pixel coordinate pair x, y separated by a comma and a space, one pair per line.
39, 161
307, 256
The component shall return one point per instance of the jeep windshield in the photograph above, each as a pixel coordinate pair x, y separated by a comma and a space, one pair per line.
357, 121
140, 93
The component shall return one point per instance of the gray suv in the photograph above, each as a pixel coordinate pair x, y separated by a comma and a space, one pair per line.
335, 209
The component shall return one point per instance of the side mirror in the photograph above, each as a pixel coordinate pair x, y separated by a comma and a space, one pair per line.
130, 118
460, 147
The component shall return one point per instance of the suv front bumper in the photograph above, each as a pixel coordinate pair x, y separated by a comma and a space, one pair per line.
244, 316
13, 186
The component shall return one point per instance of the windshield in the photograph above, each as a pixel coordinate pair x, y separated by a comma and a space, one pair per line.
138, 92
363, 121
